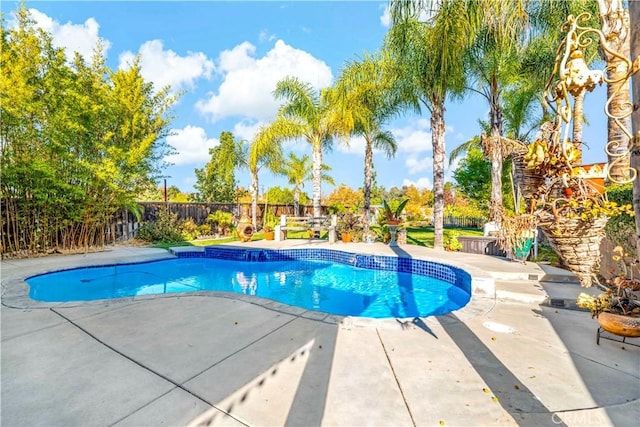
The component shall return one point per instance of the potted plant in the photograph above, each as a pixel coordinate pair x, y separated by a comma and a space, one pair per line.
516, 234
618, 307
393, 216
269, 234
574, 226
347, 225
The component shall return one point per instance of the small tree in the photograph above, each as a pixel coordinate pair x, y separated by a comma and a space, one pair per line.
216, 182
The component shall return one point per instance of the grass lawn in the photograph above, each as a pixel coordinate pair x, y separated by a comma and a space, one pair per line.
421, 236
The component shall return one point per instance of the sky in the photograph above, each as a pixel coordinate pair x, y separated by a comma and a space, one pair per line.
227, 58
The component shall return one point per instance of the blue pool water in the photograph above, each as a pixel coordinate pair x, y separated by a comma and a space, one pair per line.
325, 286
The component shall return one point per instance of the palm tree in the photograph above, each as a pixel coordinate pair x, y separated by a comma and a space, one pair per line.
548, 17
261, 153
499, 30
309, 115
368, 97
431, 54
615, 27
298, 170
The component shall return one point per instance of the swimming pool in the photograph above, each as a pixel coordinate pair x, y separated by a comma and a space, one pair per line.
324, 280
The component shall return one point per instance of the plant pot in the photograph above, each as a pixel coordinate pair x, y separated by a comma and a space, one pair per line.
244, 231
393, 222
269, 235
521, 250
346, 237
620, 324
577, 243
528, 181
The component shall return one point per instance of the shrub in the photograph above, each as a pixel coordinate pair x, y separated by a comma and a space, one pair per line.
164, 229
620, 230
204, 230
220, 221
269, 221
189, 229
451, 242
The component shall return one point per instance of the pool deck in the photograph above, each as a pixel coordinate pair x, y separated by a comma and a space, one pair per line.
512, 356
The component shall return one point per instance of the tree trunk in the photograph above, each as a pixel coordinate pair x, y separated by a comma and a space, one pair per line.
316, 156
578, 121
634, 12
254, 200
615, 26
368, 178
495, 153
438, 142
296, 200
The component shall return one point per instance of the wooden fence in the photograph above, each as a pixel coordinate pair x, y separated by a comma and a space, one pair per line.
198, 212
464, 222
125, 225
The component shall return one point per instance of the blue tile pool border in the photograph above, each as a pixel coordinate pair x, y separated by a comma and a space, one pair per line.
447, 273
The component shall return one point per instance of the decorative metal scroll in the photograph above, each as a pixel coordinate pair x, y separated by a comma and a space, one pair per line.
571, 77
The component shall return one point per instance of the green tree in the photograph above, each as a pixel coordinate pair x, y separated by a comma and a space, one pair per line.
78, 143
216, 182
368, 94
473, 176
548, 16
298, 170
309, 115
344, 198
261, 153
432, 52
499, 36
285, 196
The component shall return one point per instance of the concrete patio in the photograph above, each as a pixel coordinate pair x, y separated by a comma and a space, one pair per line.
507, 358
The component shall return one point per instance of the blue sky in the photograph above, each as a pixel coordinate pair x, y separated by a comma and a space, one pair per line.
228, 56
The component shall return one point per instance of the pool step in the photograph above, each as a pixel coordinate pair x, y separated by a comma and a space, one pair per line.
526, 291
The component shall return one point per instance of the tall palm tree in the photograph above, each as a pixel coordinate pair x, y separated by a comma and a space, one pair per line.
614, 18
548, 17
306, 114
298, 170
499, 30
368, 96
261, 153
431, 51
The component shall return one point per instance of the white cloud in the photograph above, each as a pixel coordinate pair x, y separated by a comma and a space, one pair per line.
239, 57
81, 38
414, 164
354, 145
414, 138
248, 82
385, 18
191, 144
421, 183
266, 36
246, 129
165, 67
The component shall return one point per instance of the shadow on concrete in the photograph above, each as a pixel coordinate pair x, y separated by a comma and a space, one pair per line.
298, 381
610, 370
517, 401
407, 298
